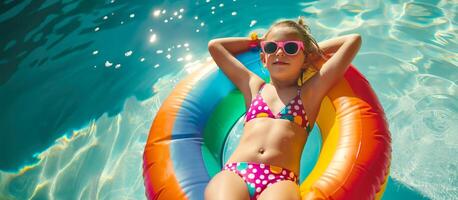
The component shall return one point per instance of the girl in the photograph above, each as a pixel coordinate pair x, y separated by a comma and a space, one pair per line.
281, 113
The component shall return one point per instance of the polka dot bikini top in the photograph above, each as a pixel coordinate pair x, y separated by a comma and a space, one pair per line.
293, 111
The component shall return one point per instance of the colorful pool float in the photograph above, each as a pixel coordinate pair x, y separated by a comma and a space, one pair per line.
186, 141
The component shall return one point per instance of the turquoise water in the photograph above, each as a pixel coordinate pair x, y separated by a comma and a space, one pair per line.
81, 81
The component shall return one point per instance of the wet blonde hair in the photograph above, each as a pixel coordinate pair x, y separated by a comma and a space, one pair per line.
310, 44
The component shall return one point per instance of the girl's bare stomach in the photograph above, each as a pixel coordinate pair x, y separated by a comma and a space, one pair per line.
275, 142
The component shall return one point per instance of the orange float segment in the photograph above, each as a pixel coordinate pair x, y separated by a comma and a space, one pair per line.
374, 153
160, 179
157, 154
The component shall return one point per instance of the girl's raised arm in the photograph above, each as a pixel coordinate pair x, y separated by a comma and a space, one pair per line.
223, 51
345, 49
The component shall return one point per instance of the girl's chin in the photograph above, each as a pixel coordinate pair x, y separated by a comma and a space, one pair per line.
279, 71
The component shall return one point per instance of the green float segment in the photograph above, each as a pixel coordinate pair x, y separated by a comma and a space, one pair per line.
221, 121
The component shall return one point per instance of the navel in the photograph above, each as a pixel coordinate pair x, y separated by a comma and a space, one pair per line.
261, 150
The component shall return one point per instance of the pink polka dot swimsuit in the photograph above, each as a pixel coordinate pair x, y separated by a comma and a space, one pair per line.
258, 176
293, 111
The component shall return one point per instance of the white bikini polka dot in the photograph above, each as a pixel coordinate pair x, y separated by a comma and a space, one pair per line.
266, 171
294, 113
271, 177
251, 176
258, 181
265, 108
250, 166
259, 107
296, 107
254, 170
264, 182
243, 171
258, 189
261, 176
262, 166
256, 103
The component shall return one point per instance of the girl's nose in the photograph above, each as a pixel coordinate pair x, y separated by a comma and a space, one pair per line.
280, 52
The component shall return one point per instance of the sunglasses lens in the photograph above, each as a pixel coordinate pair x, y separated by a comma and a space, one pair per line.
291, 48
270, 47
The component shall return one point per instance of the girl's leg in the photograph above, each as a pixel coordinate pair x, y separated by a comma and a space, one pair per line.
287, 190
226, 185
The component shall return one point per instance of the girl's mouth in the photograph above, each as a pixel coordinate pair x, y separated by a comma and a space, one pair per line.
280, 63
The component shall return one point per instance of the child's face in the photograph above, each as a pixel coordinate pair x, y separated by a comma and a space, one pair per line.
280, 64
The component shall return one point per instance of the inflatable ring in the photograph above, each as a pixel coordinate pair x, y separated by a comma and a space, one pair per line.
185, 143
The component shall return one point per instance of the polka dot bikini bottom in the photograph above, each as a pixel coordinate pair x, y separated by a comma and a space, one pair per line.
259, 176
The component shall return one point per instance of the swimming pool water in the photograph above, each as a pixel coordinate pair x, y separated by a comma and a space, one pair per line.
81, 81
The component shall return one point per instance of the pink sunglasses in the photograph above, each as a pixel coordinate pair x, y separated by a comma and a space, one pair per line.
290, 47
